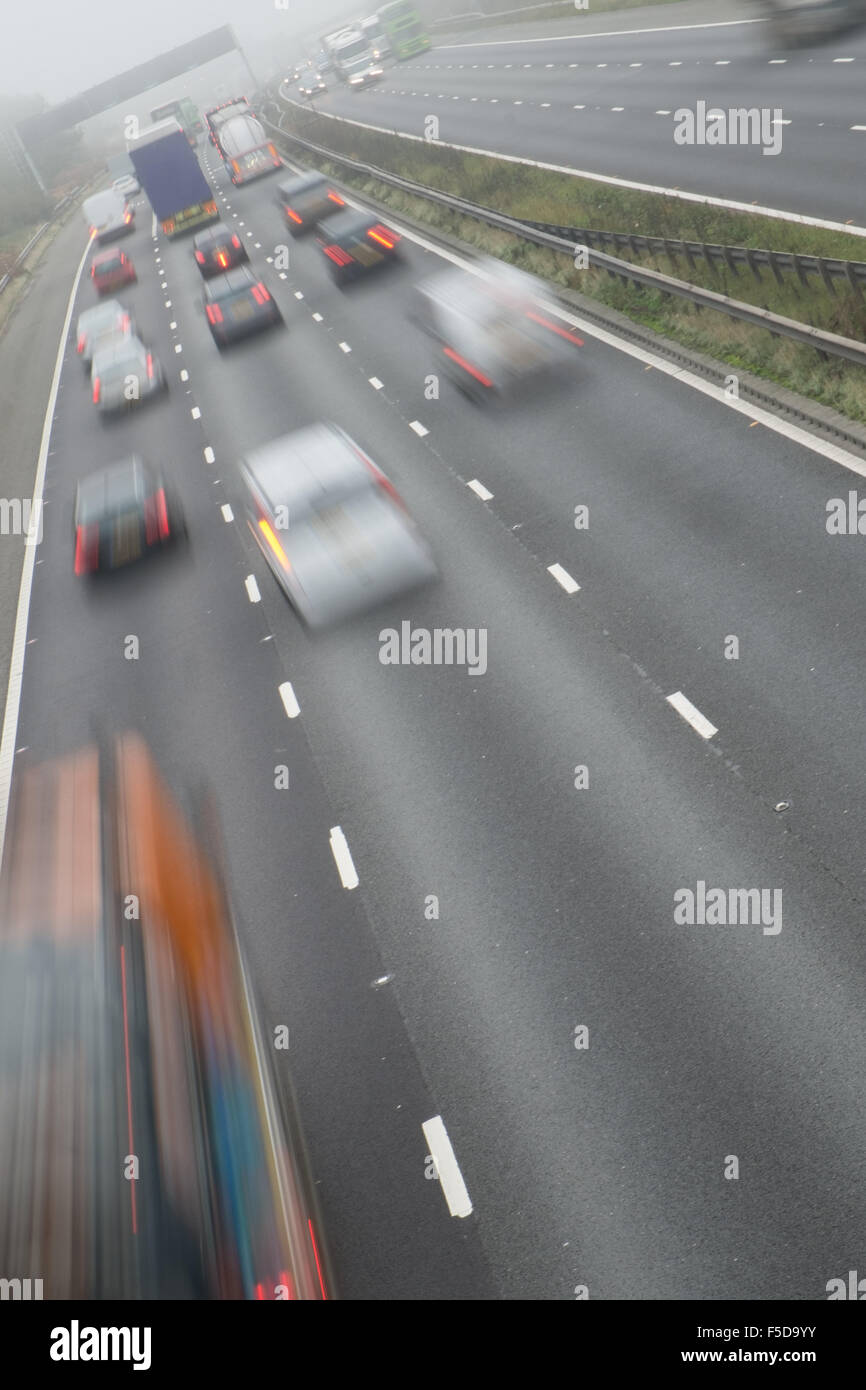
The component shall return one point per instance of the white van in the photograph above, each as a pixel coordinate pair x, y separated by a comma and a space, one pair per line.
108, 215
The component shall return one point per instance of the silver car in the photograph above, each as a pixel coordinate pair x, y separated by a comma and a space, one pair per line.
494, 328
97, 326
330, 525
123, 374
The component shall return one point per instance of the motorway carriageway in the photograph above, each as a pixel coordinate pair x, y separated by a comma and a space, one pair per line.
606, 104
600, 1167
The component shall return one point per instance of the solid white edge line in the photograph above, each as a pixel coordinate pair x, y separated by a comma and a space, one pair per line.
252, 589
22, 613
447, 1168
687, 711
480, 490
796, 433
343, 858
563, 577
289, 699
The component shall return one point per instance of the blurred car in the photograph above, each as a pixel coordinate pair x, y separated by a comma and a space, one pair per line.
127, 185
122, 513
237, 304
305, 201
349, 542
218, 248
494, 328
96, 326
111, 270
356, 243
312, 84
124, 373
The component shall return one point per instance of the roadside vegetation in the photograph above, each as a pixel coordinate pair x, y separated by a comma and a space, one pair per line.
546, 196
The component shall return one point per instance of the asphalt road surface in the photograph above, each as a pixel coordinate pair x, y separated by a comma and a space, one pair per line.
606, 103
601, 1165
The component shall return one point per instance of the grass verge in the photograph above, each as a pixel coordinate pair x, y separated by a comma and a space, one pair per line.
522, 191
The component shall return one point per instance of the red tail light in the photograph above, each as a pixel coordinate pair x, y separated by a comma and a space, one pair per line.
260, 294
150, 365
81, 343
214, 313
86, 548
290, 212
222, 258
554, 328
199, 255
96, 390
162, 514
128, 217
236, 242
338, 255
335, 198
467, 366
124, 322
93, 272
383, 236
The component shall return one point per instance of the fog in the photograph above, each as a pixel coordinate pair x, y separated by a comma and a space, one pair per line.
60, 47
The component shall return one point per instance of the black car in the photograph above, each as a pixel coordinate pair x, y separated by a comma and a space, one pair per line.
218, 248
237, 304
121, 514
356, 243
306, 200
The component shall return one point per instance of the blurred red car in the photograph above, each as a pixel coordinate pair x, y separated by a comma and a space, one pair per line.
112, 269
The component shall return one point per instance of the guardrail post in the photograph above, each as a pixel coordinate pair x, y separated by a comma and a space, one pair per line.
753, 264
825, 275
798, 266
774, 266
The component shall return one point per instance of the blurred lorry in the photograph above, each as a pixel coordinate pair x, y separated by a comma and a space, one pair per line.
216, 116
247, 151
186, 113
170, 174
149, 1140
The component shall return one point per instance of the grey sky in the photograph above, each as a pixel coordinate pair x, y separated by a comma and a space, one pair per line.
59, 47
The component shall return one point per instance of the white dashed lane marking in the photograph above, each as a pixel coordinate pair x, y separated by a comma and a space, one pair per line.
691, 715
252, 589
447, 1169
343, 858
480, 490
562, 577
290, 703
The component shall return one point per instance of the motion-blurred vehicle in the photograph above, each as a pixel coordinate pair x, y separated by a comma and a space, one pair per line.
494, 328
248, 153
124, 373
330, 525
112, 1028
799, 23
353, 60
123, 513
371, 28
356, 243
108, 216
312, 84
171, 176
237, 304
111, 270
126, 185
306, 200
217, 249
97, 326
